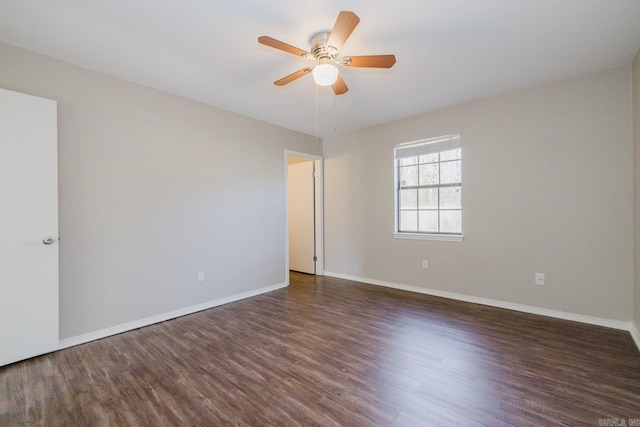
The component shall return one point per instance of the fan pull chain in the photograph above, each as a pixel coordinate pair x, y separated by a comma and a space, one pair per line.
335, 115
316, 88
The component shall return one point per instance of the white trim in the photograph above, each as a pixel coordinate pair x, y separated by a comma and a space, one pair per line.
635, 335
434, 237
125, 327
319, 211
598, 321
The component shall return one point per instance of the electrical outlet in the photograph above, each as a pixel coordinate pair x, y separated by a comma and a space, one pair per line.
540, 279
200, 276
425, 264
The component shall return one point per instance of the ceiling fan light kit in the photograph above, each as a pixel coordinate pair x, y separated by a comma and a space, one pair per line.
325, 47
325, 74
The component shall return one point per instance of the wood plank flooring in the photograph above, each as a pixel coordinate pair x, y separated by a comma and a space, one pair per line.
330, 352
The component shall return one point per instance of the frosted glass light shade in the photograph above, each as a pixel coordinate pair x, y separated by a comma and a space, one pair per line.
325, 74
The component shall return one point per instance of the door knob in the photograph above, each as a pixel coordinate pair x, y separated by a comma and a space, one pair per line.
47, 240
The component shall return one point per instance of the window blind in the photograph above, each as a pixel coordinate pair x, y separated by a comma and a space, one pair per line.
427, 146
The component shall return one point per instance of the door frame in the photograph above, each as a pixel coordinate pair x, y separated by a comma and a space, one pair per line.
319, 208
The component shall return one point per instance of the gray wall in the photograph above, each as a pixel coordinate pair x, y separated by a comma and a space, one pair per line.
636, 180
547, 187
154, 188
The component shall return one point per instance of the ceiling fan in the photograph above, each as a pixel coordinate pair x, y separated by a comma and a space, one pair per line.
325, 47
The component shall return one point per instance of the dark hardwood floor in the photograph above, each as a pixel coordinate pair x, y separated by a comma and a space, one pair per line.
331, 352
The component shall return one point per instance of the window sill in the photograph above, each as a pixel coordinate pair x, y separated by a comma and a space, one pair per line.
433, 237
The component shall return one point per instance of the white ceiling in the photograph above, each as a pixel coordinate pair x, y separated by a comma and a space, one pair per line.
448, 51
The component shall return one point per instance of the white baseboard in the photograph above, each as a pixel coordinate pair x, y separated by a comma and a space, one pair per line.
608, 323
635, 335
114, 330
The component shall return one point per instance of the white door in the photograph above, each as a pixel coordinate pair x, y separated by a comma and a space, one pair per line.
301, 217
28, 215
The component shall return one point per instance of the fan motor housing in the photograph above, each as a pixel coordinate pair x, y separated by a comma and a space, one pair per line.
319, 47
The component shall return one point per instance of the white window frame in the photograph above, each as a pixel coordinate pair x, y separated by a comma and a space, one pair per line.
416, 148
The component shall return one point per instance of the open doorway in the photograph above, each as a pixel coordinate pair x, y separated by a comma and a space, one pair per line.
304, 246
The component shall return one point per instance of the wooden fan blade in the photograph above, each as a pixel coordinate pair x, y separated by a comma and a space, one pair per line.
342, 29
339, 87
370, 61
293, 76
271, 42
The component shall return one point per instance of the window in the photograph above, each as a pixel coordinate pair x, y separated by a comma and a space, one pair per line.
429, 188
